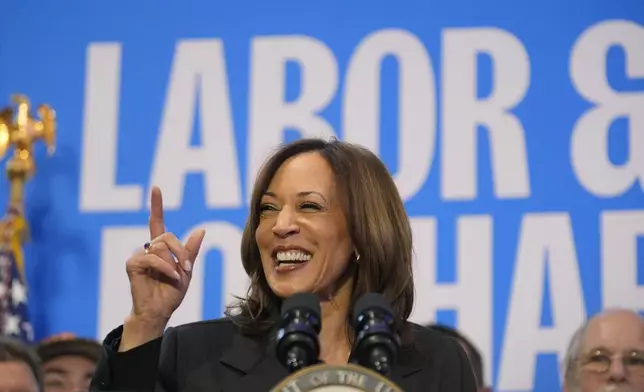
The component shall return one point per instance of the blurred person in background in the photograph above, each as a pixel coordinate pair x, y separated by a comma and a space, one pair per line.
19, 367
68, 362
472, 352
607, 354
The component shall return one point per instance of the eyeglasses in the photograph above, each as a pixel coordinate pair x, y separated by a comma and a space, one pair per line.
600, 361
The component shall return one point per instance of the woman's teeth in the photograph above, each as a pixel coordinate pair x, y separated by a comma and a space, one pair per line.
292, 256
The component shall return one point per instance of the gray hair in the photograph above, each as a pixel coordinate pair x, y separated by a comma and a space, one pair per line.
571, 374
571, 361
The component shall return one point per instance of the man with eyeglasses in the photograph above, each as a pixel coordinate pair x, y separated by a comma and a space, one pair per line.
607, 354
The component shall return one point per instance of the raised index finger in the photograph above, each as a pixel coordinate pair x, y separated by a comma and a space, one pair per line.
156, 223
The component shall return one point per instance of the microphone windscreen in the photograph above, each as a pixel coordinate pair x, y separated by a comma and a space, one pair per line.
370, 301
302, 301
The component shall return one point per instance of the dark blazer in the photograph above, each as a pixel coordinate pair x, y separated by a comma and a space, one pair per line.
213, 356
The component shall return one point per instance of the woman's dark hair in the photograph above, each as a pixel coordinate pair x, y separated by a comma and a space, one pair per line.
376, 221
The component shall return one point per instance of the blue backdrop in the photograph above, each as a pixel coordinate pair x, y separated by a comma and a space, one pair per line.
515, 132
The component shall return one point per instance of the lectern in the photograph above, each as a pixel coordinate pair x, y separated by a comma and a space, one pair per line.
328, 378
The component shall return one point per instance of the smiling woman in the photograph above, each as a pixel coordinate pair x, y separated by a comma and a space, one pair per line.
325, 218
334, 206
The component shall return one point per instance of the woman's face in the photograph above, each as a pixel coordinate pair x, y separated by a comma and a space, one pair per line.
302, 235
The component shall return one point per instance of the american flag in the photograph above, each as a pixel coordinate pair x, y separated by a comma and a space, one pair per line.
14, 313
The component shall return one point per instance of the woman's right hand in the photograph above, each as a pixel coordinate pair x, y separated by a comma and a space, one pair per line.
159, 278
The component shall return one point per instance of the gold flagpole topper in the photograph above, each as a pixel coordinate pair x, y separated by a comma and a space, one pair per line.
19, 129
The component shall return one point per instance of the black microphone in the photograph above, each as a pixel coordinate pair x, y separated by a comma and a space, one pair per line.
376, 344
297, 337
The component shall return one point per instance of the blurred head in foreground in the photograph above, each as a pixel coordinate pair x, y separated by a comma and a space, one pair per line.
68, 362
19, 367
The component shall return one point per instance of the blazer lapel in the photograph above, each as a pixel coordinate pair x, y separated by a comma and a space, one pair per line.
410, 362
256, 362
